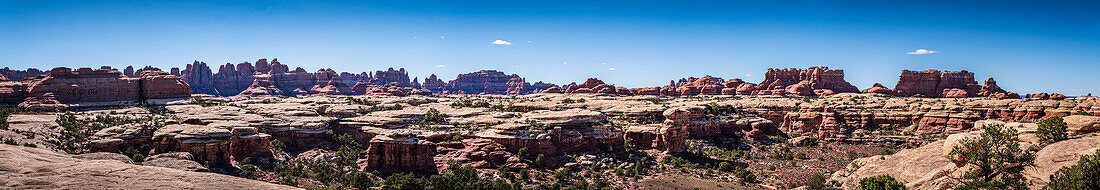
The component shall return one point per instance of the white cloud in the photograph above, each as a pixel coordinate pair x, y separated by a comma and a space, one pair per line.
501, 42
603, 63
442, 37
748, 75
564, 63
921, 52
611, 68
438, 66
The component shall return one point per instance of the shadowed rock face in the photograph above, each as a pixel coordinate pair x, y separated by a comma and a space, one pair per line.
17, 75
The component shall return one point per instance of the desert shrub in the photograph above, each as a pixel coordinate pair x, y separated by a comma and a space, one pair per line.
1051, 130
745, 175
360, 101
434, 117
403, 181
203, 102
784, 153
1084, 175
138, 158
538, 161
10, 142
374, 108
1081, 113
998, 158
30, 145
522, 153
4, 113
277, 146
882, 182
715, 109
725, 167
248, 171
458, 177
809, 142
816, 182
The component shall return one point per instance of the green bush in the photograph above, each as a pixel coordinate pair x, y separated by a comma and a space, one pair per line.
433, 116
4, 113
745, 175
1084, 175
138, 158
816, 182
998, 158
248, 171
1051, 130
278, 146
725, 167
882, 182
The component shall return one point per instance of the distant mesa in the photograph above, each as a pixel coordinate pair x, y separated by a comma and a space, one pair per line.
64, 88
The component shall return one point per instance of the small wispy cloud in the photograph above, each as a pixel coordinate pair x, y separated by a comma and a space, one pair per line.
564, 63
438, 66
501, 42
611, 68
604, 63
748, 75
442, 37
922, 52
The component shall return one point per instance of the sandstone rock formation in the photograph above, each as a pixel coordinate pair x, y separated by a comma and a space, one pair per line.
18, 75
65, 88
594, 86
434, 84
35, 168
489, 82
949, 84
931, 166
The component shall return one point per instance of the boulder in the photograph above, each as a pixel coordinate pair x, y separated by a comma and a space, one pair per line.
1081, 124
175, 160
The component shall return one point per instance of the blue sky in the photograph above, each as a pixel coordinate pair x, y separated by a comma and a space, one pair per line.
1028, 46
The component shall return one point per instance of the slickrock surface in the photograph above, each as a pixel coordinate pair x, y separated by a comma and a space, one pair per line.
34, 168
932, 167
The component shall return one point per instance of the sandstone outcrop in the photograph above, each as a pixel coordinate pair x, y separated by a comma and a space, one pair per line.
34, 168
947, 84
394, 154
1081, 124
207, 144
931, 167
595, 86
434, 84
64, 88
489, 82
200, 77
18, 75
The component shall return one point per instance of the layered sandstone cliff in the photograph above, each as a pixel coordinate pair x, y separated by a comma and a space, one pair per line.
84, 87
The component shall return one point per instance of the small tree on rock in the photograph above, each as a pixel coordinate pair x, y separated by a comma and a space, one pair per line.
1051, 130
1084, 175
997, 158
882, 182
